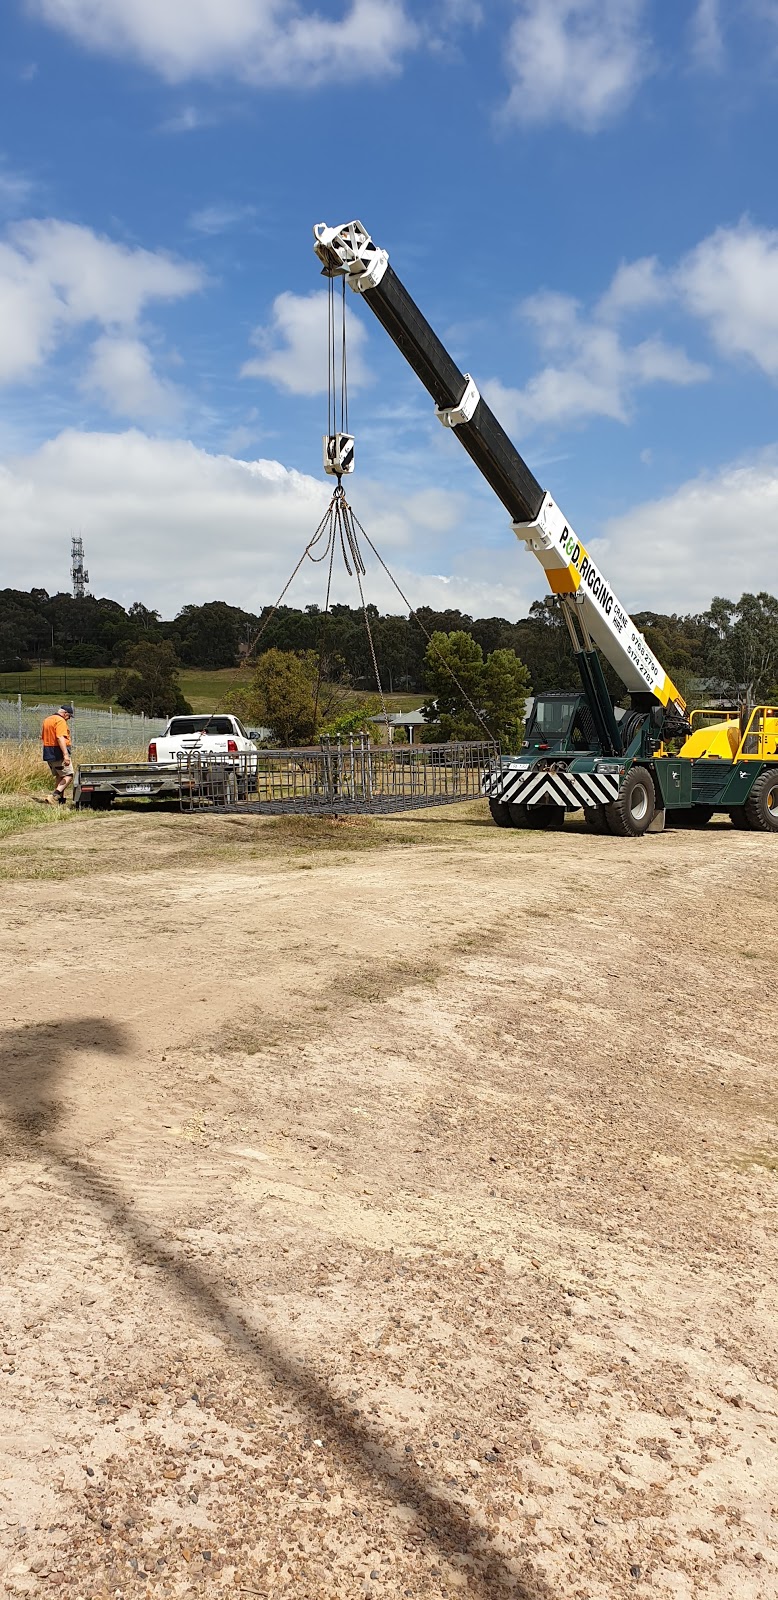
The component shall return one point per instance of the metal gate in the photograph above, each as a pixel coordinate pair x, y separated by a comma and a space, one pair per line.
337, 776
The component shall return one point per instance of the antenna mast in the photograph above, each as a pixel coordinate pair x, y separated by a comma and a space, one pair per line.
78, 571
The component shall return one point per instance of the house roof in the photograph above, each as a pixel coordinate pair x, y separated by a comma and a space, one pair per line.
403, 719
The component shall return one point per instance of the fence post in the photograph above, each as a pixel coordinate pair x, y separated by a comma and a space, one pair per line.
19, 705
110, 713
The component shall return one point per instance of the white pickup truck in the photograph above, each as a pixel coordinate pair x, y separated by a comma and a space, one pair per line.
218, 735
183, 749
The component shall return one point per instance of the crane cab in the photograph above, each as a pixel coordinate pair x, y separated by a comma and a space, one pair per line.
561, 723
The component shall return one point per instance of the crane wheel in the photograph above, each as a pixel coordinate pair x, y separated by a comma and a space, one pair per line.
596, 820
738, 818
501, 814
632, 812
761, 807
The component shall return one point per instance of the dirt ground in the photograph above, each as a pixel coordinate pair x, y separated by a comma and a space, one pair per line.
388, 1209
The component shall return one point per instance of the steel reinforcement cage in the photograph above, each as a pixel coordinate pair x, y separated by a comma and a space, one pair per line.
337, 776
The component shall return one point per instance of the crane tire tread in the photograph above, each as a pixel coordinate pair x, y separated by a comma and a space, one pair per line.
500, 813
630, 815
761, 807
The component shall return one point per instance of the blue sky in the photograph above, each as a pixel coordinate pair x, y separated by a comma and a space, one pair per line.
578, 193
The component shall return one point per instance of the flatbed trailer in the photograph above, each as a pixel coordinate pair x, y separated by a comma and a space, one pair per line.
97, 786
223, 779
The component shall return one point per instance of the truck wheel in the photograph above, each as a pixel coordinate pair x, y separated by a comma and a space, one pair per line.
761, 807
632, 812
546, 817
501, 814
595, 819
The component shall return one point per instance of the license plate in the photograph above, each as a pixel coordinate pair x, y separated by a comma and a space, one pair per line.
138, 788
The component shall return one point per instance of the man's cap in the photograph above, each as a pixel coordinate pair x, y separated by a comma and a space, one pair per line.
68, 710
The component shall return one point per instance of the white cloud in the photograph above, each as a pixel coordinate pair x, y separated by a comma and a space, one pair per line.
293, 347
635, 285
731, 281
262, 42
677, 552
15, 189
218, 218
55, 277
167, 521
728, 282
707, 38
575, 61
187, 120
596, 374
121, 372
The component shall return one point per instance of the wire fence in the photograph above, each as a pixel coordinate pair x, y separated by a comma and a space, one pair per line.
105, 729
337, 777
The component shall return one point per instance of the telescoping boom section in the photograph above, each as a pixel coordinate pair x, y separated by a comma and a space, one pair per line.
535, 517
580, 749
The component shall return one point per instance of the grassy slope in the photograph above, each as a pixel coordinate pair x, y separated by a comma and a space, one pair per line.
204, 690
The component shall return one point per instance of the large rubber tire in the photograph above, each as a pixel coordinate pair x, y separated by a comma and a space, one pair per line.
501, 814
761, 807
739, 819
548, 818
596, 819
632, 812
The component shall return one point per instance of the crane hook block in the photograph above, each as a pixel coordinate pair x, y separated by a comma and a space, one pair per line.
338, 452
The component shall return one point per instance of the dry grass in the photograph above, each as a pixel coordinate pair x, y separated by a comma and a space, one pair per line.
22, 769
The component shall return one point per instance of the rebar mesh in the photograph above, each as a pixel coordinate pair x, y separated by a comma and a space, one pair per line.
340, 776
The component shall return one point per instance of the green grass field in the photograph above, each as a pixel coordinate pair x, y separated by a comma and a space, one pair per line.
204, 690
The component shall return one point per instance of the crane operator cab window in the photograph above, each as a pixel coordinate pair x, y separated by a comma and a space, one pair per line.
555, 724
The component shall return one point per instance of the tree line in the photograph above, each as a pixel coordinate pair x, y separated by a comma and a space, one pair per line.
730, 649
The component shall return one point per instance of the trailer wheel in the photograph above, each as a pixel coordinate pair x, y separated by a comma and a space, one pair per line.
596, 819
100, 800
761, 807
632, 812
501, 814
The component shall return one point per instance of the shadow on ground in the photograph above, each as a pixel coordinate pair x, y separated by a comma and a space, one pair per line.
33, 1065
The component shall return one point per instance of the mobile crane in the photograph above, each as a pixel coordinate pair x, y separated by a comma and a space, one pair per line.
579, 750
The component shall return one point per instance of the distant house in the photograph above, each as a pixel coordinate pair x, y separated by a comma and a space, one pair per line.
413, 721
409, 720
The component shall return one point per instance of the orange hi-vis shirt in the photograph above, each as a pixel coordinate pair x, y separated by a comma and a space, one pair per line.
54, 728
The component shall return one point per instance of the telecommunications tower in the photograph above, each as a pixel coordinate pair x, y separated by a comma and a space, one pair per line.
78, 571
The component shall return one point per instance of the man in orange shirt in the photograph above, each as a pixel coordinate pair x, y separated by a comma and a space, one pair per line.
55, 734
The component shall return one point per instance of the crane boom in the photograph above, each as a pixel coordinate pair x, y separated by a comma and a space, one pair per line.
587, 598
